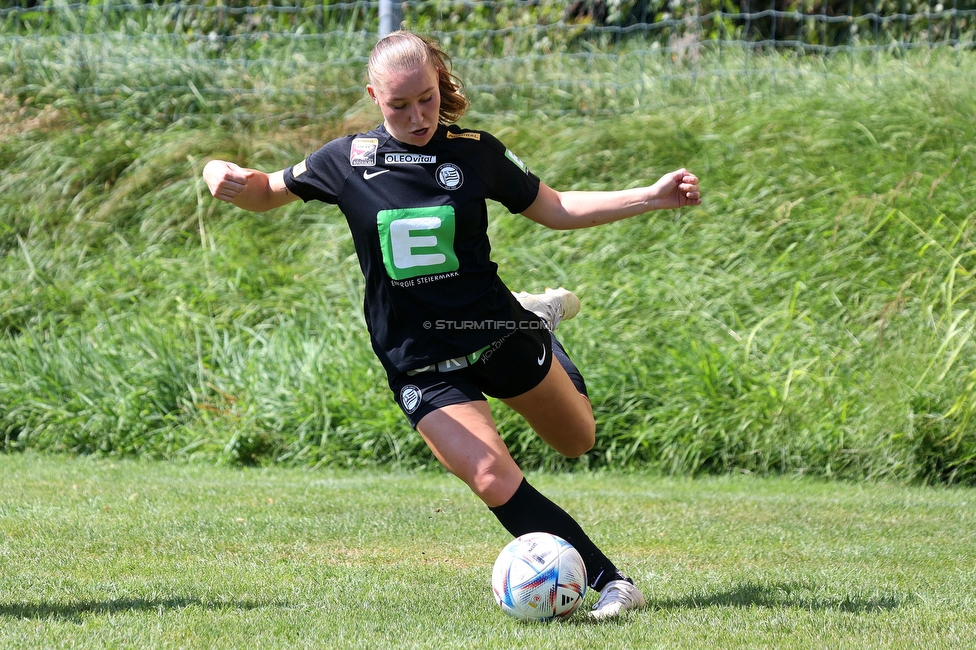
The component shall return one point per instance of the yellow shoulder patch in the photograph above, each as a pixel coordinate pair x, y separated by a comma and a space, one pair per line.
467, 135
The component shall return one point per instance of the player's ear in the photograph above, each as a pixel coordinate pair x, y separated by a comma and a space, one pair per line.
372, 93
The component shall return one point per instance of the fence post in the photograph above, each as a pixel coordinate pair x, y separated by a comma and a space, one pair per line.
390, 16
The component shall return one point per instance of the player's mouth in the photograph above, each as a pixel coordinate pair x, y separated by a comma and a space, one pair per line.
420, 133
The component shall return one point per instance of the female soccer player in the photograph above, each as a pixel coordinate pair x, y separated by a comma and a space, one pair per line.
445, 327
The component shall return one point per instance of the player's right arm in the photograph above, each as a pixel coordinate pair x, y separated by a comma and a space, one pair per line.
248, 189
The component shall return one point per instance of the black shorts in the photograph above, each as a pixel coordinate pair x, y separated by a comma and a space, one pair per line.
508, 367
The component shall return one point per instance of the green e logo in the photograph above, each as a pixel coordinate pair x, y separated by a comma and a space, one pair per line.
417, 241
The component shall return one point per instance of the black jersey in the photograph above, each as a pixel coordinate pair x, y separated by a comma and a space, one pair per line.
419, 223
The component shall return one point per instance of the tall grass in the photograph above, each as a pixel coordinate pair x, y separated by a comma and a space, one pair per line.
814, 316
271, 65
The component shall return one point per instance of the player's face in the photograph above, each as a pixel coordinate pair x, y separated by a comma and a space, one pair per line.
410, 102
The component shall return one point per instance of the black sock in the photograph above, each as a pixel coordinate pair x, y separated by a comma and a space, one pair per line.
559, 353
529, 511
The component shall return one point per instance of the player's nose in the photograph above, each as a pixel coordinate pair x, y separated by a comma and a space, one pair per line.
416, 115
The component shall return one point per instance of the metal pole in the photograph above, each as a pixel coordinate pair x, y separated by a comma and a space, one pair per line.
391, 16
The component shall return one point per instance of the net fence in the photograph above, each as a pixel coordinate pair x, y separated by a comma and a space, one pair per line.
297, 60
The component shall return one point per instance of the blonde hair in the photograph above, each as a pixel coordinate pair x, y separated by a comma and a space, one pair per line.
402, 50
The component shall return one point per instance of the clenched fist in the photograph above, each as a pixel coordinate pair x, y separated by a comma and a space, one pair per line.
225, 179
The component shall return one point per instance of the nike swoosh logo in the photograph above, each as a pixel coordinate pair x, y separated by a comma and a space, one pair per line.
367, 175
542, 359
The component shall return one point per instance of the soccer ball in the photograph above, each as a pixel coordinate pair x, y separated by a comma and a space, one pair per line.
539, 577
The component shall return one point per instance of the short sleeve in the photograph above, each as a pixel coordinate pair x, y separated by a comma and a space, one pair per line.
321, 176
510, 181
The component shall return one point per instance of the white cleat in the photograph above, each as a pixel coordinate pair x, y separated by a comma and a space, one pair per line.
617, 597
553, 306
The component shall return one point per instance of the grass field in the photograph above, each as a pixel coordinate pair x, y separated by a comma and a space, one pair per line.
813, 320
101, 553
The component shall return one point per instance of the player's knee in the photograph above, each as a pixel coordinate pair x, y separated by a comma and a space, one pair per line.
580, 448
495, 482
582, 440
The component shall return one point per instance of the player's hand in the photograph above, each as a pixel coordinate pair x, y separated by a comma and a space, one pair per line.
676, 190
225, 179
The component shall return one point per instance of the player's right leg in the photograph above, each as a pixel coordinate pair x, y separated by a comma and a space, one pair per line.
465, 440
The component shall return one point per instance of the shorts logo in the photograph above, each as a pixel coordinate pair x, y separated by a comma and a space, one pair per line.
410, 159
410, 398
449, 176
362, 153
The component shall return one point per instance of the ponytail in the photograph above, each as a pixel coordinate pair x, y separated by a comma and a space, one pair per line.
402, 50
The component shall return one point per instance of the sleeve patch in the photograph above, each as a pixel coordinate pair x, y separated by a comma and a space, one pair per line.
514, 159
298, 169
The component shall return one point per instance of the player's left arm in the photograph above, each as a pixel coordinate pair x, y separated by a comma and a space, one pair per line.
571, 210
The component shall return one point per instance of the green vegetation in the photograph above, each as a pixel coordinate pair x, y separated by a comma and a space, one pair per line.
815, 316
274, 63
126, 554
812, 21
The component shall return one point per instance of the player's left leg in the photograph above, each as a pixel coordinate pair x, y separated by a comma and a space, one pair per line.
553, 306
556, 411
559, 410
